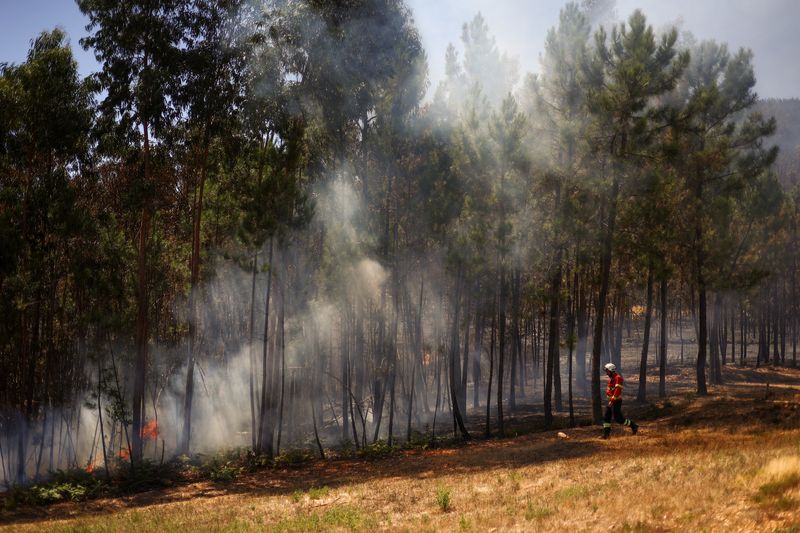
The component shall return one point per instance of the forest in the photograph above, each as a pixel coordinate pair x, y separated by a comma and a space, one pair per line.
259, 227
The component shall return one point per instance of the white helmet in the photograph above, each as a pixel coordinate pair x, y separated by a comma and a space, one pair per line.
611, 367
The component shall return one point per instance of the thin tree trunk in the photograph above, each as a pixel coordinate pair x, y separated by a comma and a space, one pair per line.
501, 352
488, 431
251, 353
454, 360
662, 367
143, 305
641, 395
600, 308
553, 347
263, 428
194, 267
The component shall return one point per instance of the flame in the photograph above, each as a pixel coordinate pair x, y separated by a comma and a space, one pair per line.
89, 467
150, 430
125, 453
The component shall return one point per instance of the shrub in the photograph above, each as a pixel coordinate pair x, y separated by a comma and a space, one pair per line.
443, 499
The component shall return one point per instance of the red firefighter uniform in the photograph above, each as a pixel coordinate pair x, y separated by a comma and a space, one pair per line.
614, 407
614, 389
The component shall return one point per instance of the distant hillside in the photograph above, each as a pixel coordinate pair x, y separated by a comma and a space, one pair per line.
787, 136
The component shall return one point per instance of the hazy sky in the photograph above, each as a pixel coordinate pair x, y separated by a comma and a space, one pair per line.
768, 27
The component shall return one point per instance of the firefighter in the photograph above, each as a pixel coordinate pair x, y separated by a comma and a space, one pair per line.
614, 408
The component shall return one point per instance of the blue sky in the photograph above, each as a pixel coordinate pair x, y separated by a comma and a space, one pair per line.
768, 27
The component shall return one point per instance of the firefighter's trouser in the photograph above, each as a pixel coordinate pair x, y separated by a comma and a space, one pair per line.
615, 412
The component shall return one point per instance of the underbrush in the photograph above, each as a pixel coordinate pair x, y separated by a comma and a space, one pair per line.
72, 485
79, 485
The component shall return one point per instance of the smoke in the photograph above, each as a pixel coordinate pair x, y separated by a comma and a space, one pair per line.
360, 314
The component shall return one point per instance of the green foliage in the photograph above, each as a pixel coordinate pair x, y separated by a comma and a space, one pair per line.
146, 475
443, 499
294, 457
377, 449
225, 471
72, 485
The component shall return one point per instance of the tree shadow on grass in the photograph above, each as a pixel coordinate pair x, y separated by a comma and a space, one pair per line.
477, 455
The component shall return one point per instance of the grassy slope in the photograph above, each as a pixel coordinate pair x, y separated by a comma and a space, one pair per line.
729, 462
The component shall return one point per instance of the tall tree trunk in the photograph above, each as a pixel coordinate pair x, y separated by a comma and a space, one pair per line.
462, 387
491, 371
281, 332
251, 353
142, 308
571, 342
476, 357
501, 352
702, 332
264, 441
454, 360
418, 357
194, 267
553, 348
715, 340
583, 330
600, 308
641, 395
662, 364
514, 340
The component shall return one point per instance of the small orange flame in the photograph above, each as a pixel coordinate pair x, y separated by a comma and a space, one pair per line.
89, 467
150, 430
125, 454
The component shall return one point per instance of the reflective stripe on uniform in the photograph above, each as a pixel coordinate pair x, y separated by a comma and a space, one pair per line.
606, 424
627, 422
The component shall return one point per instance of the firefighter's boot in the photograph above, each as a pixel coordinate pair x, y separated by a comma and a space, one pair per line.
634, 427
606, 430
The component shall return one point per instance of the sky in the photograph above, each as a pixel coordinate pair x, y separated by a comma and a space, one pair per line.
768, 27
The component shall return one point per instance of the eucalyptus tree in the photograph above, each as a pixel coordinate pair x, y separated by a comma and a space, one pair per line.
138, 44
627, 69
213, 62
47, 226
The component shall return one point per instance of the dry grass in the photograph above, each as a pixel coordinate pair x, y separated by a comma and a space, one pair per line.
730, 462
